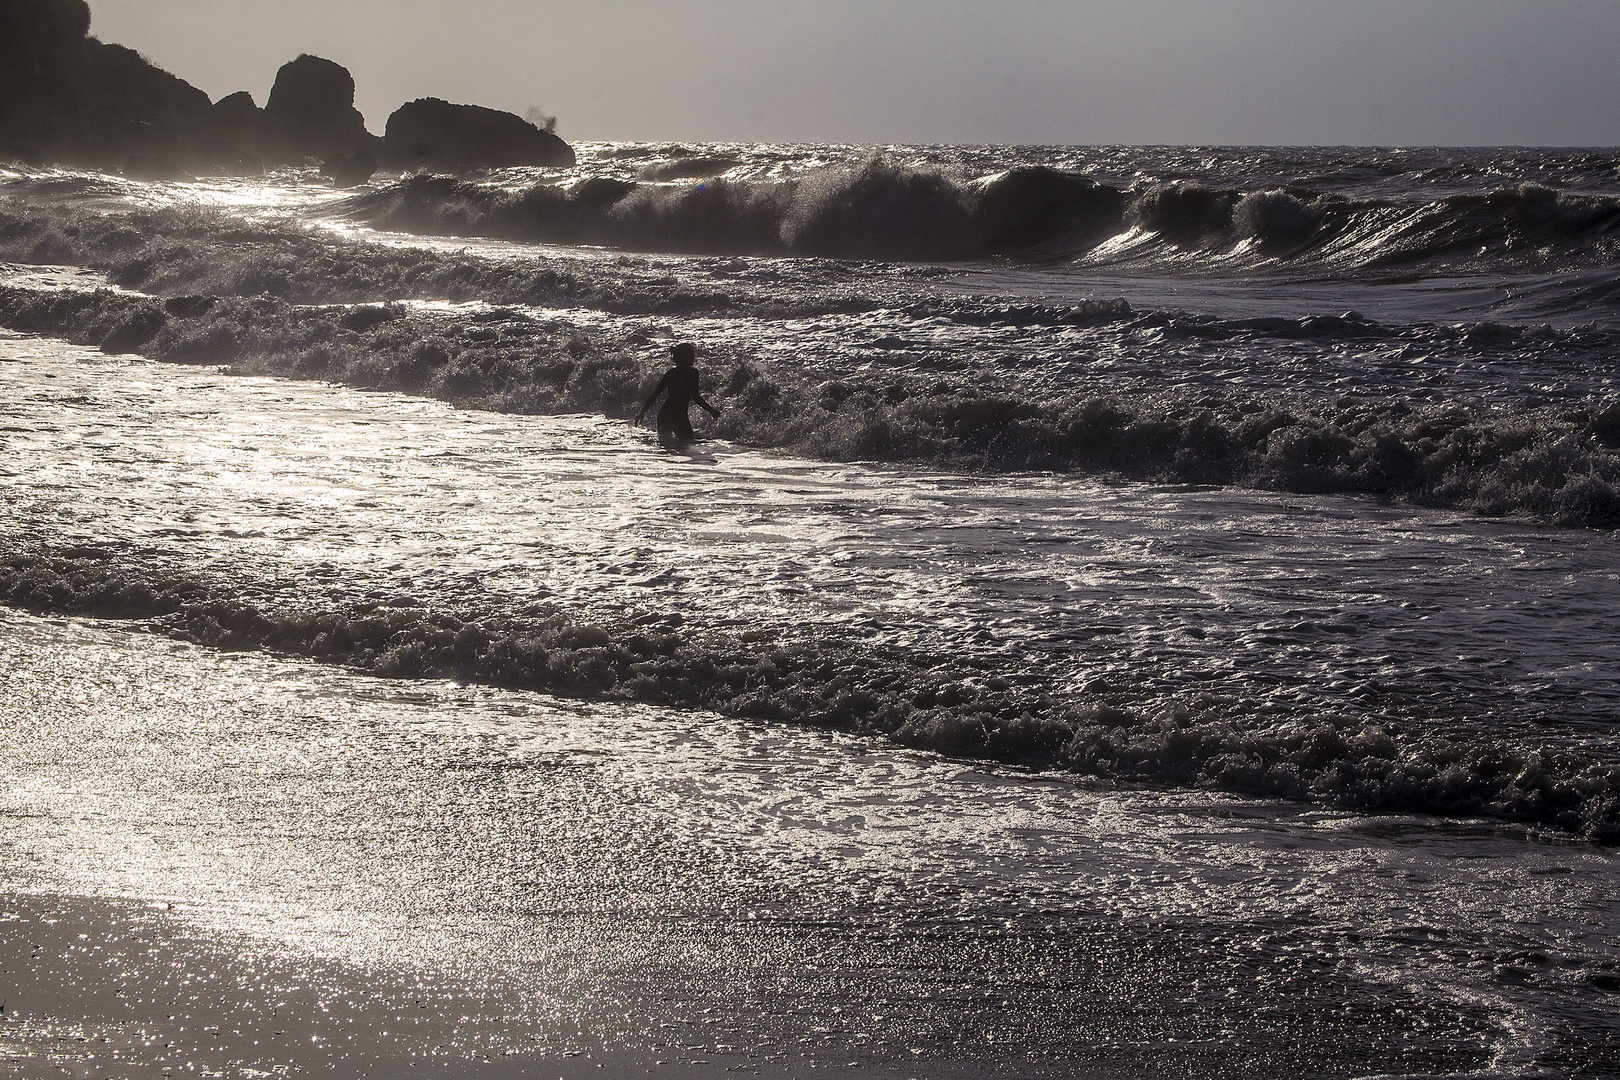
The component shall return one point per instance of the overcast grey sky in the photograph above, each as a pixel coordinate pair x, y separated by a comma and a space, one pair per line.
1408, 72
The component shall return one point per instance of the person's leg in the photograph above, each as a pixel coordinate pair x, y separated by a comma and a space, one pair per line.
673, 424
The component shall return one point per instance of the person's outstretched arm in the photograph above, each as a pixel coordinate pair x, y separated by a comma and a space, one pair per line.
652, 397
697, 397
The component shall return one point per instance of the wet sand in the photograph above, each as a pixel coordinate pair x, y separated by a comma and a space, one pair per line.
116, 988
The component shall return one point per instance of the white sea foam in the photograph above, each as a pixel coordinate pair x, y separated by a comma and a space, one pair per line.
1175, 635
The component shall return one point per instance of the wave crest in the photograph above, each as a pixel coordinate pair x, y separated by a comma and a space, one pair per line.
881, 210
876, 210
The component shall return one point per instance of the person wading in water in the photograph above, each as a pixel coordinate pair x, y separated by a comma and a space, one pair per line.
682, 383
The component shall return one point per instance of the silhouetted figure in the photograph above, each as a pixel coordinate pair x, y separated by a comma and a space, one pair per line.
682, 383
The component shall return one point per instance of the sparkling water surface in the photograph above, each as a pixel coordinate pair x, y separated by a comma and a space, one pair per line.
827, 896
305, 494
607, 852
782, 896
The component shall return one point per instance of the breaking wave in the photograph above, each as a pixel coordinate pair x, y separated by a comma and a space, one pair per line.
951, 704
881, 210
1012, 364
877, 211
189, 249
1558, 463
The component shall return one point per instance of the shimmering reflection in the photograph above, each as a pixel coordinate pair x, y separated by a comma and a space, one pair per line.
304, 493
802, 890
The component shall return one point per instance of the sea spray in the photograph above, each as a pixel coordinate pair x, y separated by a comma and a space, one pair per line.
1306, 756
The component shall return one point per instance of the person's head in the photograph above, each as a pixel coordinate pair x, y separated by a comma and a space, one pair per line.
684, 353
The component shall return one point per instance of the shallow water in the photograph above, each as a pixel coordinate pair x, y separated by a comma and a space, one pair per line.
815, 893
626, 854
303, 494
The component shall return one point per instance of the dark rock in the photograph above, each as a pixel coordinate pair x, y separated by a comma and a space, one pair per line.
188, 148
237, 110
187, 307
235, 119
349, 170
600, 192
42, 51
311, 108
120, 82
42, 26
68, 98
366, 316
214, 155
434, 134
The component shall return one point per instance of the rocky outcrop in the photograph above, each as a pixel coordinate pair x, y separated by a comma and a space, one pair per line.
144, 121
311, 110
41, 47
429, 133
67, 98
238, 111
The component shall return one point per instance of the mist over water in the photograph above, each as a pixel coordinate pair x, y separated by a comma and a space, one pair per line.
1146, 479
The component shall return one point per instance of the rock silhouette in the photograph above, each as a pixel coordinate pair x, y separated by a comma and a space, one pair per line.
68, 98
349, 170
241, 121
311, 109
435, 134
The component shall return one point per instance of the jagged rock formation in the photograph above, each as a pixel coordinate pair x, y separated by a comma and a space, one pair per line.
243, 123
311, 110
67, 98
429, 133
40, 45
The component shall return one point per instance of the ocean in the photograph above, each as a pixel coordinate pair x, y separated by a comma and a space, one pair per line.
1139, 611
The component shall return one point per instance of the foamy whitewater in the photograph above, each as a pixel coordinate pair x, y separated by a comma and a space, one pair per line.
1139, 612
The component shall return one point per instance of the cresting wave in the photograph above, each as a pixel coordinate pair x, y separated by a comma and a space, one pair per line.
940, 703
881, 210
1001, 365
1558, 463
190, 249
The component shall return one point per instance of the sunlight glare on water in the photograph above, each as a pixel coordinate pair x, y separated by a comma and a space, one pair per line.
303, 493
917, 719
598, 852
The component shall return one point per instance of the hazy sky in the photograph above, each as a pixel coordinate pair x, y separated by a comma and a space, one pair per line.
1446, 72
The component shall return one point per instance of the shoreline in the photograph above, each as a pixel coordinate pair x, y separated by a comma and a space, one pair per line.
616, 894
